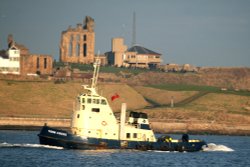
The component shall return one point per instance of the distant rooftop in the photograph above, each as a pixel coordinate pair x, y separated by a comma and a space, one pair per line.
142, 50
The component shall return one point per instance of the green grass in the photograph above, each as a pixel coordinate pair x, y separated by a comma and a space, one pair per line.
241, 93
184, 87
106, 69
209, 89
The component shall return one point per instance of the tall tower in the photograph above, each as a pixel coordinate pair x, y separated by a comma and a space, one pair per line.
78, 44
134, 30
118, 48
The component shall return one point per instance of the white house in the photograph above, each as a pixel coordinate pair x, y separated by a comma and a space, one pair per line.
11, 63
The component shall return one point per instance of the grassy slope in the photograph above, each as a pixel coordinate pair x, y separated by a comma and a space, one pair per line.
163, 97
37, 98
224, 107
46, 99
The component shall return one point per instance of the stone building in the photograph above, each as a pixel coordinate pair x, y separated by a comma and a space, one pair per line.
78, 44
136, 56
36, 64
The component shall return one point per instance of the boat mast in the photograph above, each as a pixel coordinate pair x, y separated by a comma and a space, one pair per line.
92, 88
96, 73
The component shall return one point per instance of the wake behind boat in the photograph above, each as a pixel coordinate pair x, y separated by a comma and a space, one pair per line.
94, 126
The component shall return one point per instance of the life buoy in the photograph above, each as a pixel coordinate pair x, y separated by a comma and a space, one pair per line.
104, 123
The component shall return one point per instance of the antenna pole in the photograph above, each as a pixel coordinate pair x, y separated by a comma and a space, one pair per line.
96, 73
134, 30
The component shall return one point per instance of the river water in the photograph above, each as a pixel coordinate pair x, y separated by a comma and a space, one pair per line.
22, 148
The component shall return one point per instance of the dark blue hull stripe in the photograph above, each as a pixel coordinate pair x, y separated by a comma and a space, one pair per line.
55, 137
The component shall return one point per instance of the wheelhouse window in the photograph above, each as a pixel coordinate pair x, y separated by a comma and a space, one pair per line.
97, 101
95, 109
103, 101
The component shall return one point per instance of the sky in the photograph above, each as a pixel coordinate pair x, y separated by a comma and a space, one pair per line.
197, 32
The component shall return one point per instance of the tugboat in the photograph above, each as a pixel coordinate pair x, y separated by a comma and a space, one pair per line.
94, 126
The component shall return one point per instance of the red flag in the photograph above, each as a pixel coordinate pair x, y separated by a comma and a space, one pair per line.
115, 96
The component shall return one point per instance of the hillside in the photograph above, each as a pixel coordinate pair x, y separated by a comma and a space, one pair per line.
216, 107
46, 99
163, 97
215, 111
222, 77
230, 78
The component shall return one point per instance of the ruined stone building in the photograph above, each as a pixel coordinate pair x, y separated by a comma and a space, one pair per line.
36, 64
136, 56
78, 44
17, 60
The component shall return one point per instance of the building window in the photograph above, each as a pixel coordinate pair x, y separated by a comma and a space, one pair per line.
78, 38
70, 51
83, 100
78, 50
85, 50
89, 101
37, 63
45, 63
78, 115
135, 135
84, 37
16, 59
128, 135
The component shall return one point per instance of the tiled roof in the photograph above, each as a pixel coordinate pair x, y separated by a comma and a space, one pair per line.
142, 50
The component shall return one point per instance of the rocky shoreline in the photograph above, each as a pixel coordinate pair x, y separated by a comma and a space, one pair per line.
13, 123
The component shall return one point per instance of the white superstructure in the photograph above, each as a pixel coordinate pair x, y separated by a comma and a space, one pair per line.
11, 64
92, 117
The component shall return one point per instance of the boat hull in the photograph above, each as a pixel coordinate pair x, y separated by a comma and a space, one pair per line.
56, 137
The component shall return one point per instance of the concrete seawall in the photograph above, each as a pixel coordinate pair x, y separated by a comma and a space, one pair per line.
6, 122
158, 127
201, 128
